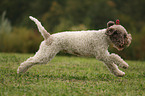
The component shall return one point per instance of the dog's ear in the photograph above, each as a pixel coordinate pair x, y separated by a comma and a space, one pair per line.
110, 31
110, 23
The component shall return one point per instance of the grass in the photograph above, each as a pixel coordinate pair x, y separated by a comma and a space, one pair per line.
69, 76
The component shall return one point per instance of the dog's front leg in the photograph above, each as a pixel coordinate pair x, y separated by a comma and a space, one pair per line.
118, 60
114, 68
109, 62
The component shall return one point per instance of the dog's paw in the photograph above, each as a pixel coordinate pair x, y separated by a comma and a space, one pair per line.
119, 74
21, 69
124, 65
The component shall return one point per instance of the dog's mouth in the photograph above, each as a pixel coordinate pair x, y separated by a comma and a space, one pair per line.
119, 47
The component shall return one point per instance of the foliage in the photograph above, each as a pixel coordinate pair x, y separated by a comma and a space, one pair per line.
63, 15
69, 76
5, 28
5, 25
21, 40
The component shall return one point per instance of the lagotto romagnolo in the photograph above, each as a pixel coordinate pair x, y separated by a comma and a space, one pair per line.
92, 43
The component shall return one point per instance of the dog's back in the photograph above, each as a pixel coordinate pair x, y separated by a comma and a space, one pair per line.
83, 43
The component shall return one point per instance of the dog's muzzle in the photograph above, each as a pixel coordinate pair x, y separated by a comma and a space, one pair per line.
126, 43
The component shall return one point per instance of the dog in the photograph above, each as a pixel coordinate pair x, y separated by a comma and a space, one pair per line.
89, 43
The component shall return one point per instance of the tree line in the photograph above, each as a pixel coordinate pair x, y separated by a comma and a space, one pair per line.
19, 34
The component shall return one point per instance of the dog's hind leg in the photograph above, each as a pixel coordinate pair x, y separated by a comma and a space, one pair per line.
43, 56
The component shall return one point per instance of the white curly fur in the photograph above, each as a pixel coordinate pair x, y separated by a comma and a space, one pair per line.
84, 43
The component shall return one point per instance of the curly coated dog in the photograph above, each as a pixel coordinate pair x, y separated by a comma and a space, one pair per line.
82, 43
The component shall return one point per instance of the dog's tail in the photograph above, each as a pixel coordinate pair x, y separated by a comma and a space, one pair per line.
42, 30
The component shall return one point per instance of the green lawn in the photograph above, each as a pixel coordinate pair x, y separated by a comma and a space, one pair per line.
69, 76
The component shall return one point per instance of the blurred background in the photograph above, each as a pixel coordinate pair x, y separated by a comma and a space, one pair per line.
20, 35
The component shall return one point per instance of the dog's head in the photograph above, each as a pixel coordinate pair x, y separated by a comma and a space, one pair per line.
118, 35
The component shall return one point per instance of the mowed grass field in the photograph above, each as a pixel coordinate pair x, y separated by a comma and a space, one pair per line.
69, 76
